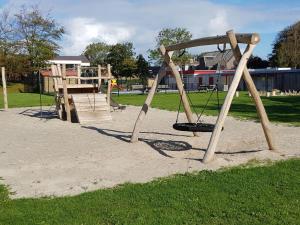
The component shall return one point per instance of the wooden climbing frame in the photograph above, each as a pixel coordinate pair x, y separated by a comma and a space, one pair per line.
62, 88
233, 39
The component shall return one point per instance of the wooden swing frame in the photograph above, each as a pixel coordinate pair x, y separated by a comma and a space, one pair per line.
251, 39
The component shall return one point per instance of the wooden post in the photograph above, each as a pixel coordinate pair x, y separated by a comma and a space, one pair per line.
54, 70
79, 74
4, 89
108, 84
99, 76
226, 106
179, 83
146, 105
65, 89
253, 92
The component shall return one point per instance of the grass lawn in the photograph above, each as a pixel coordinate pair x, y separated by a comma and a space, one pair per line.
17, 98
256, 195
282, 109
26, 100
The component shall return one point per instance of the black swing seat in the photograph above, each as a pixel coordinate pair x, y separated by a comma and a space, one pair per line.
194, 127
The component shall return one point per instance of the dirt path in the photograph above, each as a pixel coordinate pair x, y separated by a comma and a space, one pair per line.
53, 157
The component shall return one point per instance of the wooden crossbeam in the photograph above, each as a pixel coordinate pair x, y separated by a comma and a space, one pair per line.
252, 38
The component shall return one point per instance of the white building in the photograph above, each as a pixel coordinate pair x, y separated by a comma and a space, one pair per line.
71, 61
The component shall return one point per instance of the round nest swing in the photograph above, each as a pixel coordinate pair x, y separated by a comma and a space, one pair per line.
194, 127
200, 126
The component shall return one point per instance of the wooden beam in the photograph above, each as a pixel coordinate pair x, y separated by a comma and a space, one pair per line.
65, 90
78, 74
5, 101
252, 38
180, 85
108, 84
54, 70
226, 106
83, 78
254, 93
147, 103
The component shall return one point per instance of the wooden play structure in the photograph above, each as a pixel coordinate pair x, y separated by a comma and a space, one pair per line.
83, 96
233, 39
5, 101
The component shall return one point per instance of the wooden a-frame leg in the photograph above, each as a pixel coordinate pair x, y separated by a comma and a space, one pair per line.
62, 72
253, 91
144, 110
226, 106
179, 84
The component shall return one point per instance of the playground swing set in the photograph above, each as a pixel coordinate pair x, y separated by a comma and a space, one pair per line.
251, 39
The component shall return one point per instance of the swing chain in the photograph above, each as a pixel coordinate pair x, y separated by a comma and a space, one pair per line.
216, 88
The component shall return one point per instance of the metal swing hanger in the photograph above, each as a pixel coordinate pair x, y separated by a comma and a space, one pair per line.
222, 50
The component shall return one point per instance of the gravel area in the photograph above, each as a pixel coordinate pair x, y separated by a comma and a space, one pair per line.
50, 157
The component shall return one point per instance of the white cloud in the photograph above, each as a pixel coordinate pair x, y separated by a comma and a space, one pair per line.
82, 31
140, 21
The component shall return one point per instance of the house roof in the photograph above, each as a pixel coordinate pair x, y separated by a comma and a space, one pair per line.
81, 58
212, 58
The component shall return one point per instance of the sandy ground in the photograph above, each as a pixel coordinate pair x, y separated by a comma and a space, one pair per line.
57, 158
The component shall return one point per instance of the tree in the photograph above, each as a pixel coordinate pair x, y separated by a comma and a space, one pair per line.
286, 48
142, 70
255, 62
6, 32
121, 58
37, 35
97, 53
169, 36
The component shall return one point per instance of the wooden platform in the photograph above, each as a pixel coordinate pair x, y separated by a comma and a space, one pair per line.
79, 88
91, 108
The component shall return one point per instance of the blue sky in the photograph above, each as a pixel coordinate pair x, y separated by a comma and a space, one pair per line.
139, 21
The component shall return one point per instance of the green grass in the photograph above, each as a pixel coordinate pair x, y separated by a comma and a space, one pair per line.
16, 100
281, 109
256, 195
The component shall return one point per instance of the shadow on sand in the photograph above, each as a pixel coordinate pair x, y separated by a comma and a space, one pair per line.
37, 113
161, 146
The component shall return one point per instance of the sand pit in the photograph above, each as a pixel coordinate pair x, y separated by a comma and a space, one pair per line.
57, 158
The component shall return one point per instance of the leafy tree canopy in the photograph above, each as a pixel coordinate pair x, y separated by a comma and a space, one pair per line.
37, 35
286, 48
97, 53
255, 62
121, 58
142, 70
169, 36
29, 35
